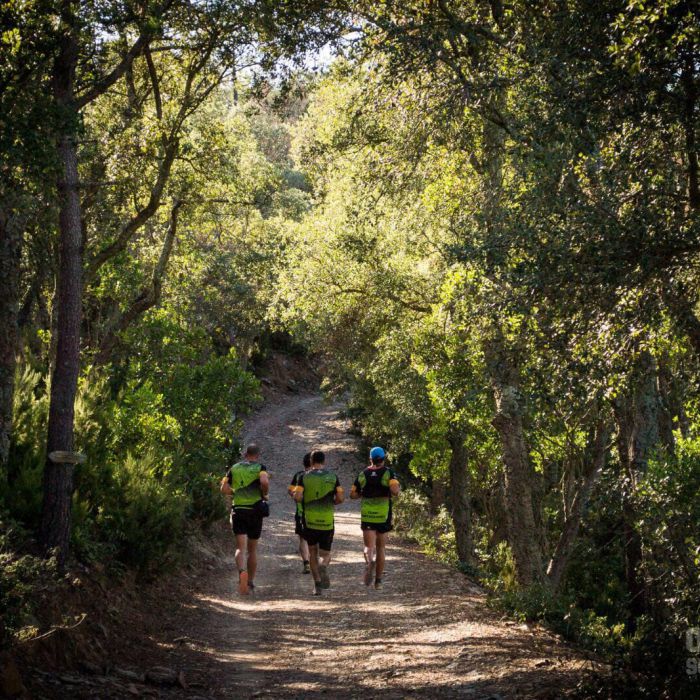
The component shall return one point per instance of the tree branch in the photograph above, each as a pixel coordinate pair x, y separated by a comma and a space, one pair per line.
149, 296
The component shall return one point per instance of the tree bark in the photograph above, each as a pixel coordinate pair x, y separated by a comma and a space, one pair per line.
58, 478
459, 497
596, 455
11, 231
519, 476
148, 298
636, 415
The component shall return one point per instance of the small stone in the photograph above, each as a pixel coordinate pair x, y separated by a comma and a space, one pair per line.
72, 680
162, 675
90, 667
129, 675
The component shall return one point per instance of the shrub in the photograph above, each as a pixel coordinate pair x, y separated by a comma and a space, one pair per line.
24, 580
147, 517
434, 532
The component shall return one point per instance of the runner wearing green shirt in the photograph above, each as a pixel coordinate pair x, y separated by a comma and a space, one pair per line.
375, 485
298, 517
248, 483
319, 491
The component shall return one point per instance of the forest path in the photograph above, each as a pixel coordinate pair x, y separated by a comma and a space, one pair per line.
428, 634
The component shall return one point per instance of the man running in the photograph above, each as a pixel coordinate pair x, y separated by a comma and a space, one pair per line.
376, 485
319, 491
248, 483
298, 519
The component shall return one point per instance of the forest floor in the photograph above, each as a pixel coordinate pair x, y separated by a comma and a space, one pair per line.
428, 634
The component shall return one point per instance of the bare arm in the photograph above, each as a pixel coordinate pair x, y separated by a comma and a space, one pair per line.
225, 487
339, 495
264, 483
354, 493
394, 487
299, 494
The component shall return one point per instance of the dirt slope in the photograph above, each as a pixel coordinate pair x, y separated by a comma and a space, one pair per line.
428, 634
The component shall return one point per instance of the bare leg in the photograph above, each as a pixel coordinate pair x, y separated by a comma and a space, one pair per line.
381, 553
252, 559
240, 551
241, 546
324, 556
303, 549
313, 561
370, 540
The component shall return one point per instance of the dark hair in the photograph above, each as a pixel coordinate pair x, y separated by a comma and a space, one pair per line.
377, 460
252, 450
318, 457
307, 460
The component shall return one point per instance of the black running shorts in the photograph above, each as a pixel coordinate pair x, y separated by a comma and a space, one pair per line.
246, 522
378, 527
323, 538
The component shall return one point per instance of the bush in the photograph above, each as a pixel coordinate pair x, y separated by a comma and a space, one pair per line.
152, 457
434, 532
147, 518
24, 580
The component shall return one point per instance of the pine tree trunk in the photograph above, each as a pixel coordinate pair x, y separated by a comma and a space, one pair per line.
459, 498
10, 253
58, 478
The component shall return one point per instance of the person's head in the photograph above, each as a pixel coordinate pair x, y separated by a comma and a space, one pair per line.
252, 451
318, 458
307, 460
377, 455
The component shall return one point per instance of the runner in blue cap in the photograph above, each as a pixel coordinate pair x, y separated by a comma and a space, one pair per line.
375, 485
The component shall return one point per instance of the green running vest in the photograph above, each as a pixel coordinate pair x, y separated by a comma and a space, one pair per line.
245, 483
375, 508
318, 499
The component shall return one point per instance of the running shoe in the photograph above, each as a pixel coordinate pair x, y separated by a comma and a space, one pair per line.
317, 588
378, 585
325, 580
243, 583
307, 568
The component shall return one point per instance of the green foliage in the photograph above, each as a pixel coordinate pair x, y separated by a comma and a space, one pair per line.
25, 580
433, 531
146, 520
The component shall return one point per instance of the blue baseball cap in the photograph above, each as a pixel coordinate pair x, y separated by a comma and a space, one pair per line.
377, 453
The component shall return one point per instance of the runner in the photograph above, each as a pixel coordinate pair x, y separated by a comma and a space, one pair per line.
298, 520
248, 483
376, 485
319, 491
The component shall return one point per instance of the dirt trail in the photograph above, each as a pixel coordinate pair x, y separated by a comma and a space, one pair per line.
428, 634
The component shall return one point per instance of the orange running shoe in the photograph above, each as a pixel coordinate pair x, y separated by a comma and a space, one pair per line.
243, 583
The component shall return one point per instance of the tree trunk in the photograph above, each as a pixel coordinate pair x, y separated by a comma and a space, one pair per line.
58, 478
638, 432
10, 254
596, 454
459, 498
524, 536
